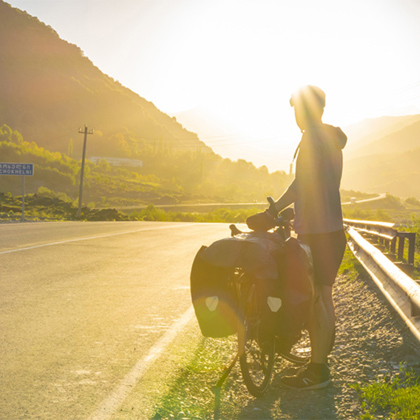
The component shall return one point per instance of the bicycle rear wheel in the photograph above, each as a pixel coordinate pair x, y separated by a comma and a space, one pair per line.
256, 350
299, 353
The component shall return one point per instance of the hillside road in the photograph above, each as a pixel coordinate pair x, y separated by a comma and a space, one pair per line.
82, 303
367, 200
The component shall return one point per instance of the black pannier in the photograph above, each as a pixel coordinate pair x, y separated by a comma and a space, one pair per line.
296, 288
281, 270
213, 296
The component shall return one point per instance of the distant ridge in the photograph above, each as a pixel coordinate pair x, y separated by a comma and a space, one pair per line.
364, 135
402, 136
386, 159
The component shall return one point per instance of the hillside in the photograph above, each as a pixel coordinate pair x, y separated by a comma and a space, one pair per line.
173, 178
382, 156
397, 174
368, 131
49, 89
384, 135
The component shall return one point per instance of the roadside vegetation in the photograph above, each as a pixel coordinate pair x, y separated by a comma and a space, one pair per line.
47, 205
391, 398
378, 215
387, 209
166, 177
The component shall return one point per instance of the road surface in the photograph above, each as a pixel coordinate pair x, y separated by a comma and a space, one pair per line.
366, 200
84, 305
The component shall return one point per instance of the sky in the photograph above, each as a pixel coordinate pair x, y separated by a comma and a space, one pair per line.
236, 62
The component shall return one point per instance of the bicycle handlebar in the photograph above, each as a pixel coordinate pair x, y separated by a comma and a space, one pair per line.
285, 216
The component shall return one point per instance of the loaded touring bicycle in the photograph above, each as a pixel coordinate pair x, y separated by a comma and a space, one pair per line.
257, 285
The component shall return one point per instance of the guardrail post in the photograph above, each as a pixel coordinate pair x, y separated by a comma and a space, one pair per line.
401, 240
415, 310
411, 247
411, 236
394, 245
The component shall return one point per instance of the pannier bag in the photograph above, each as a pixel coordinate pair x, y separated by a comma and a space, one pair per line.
296, 288
213, 298
281, 270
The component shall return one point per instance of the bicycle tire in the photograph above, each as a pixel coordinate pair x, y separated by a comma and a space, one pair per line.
299, 353
257, 366
257, 354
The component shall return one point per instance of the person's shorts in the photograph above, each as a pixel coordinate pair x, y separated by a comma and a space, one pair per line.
327, 253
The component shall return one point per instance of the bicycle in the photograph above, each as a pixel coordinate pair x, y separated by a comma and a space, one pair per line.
253, 303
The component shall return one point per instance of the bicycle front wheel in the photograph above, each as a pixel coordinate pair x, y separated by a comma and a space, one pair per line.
256, 347
257, 363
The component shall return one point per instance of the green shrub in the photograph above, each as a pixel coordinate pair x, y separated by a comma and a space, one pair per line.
45, 192
396, 399
413, 201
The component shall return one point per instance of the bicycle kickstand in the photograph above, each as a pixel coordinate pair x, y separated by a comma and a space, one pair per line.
225, 374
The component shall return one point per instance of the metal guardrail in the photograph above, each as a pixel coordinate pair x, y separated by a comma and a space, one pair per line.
387, 237
401, 291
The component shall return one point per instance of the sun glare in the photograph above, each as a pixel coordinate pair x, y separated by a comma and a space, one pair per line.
251, 56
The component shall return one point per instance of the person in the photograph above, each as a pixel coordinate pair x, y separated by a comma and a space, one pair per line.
315, 192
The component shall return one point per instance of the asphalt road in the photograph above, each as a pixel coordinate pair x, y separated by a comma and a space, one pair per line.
82, 304
366, 200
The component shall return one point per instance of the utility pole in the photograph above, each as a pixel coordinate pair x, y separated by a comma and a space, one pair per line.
84, 131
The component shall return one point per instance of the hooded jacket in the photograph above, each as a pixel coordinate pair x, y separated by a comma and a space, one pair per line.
319, 166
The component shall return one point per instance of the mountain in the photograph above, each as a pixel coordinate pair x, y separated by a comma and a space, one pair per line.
48, 89
397, 174
365, 134
402, 136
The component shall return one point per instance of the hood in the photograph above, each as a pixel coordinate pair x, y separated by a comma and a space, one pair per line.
337, 135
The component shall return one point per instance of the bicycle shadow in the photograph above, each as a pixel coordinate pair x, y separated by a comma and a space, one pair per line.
291, 404
283, 403
217, 395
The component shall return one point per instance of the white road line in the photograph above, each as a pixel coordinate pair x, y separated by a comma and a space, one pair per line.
114, 401
89, 238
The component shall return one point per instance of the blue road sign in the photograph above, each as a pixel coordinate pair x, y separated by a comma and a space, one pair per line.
17, 169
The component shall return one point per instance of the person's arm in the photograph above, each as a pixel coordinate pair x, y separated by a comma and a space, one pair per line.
288, 197
265, 220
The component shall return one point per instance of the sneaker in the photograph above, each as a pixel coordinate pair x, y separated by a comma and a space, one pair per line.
309, 378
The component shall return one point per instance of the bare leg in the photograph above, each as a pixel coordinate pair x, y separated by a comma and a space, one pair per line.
321, 330
321, 325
